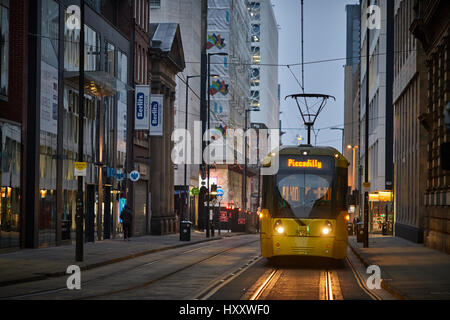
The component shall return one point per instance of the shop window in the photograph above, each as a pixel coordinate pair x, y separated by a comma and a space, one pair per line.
122, 67
10, 191
49, 121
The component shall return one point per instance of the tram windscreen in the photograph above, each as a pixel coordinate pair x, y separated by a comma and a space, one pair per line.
305, 189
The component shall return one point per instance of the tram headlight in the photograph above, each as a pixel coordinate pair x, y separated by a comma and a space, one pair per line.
326, 230
279, 227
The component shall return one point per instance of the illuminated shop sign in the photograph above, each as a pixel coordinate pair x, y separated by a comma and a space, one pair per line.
380, 196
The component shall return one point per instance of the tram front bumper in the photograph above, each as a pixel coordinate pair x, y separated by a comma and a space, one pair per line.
305, 246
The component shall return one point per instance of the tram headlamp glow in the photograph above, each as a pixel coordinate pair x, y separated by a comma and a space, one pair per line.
280, 229
327, 228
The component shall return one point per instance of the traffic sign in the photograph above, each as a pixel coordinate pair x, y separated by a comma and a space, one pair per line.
134, 175
120, 175
220, 192
80, 169
223, 216
195, 191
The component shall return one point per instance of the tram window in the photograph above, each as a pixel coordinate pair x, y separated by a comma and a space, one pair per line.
304, 195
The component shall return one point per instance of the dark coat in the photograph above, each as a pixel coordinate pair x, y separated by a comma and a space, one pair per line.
126, 215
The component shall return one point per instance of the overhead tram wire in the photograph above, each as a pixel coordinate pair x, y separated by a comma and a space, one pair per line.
239, 63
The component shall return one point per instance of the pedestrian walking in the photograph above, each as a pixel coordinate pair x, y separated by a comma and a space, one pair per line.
126, 218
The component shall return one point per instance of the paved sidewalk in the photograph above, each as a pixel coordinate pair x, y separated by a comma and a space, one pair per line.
409, 270
36, 264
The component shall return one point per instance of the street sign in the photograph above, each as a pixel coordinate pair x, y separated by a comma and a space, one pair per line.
134, 175
120, 175
366, 187
220, 192
80, 169
195, 191
223, 216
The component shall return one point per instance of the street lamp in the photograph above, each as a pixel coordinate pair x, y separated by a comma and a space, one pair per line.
186, 193
342, 130
208, 215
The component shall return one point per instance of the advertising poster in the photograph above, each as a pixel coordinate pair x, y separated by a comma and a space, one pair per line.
156, 115
121, 127
142, 120
49, 98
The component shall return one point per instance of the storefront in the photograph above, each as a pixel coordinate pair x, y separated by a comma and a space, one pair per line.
106, 99
381, 212
10, 153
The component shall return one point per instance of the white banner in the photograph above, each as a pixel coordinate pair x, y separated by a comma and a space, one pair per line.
156, 115
49, 98
121, 127
142, 98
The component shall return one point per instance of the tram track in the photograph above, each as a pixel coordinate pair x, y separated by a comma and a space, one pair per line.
135, 267
326, 285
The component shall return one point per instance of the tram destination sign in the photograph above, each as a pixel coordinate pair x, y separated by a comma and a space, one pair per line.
310, 163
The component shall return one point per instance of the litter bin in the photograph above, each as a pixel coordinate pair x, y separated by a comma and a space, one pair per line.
350, 228
384, 229
185, 231
360, 232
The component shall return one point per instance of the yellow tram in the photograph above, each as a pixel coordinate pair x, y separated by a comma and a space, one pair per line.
304, 204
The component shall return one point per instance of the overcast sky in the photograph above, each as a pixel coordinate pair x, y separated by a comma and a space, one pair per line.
324, 38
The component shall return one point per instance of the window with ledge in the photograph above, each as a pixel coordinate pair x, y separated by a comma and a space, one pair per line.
155, 4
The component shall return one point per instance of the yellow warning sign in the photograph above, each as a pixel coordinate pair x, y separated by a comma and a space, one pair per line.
80, 169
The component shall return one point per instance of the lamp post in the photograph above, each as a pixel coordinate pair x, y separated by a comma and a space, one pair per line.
186, 194
342, 130
208, 214
79, 217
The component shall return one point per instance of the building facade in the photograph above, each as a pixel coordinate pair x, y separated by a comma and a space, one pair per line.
140, 195
40, 137
351, 103
167, 60
380, 129
264, 58
187, 13
228, 33
409, 96
431, 27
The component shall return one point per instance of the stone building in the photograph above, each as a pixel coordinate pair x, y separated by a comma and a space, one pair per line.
431, 27
409, 96
167, 59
